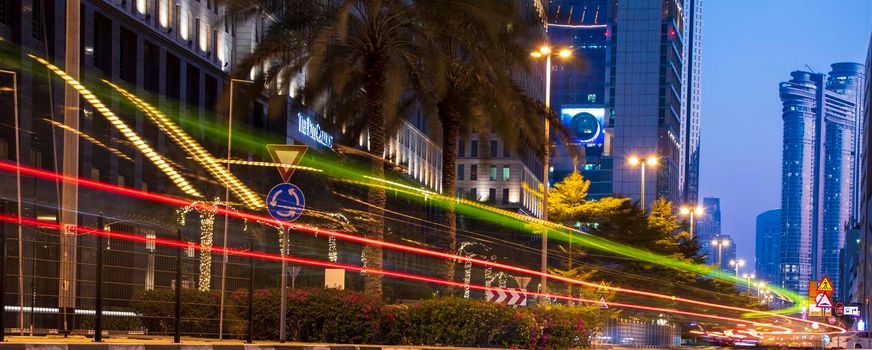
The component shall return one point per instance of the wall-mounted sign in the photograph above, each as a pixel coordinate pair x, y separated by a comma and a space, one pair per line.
586, 124
312, 130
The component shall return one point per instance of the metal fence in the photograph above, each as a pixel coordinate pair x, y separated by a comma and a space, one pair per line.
636, 333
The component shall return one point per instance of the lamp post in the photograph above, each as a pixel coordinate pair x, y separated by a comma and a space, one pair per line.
547, 52
226, 206
650, 161
17, 191
748, 277
721, 243
761, 288
736, 264
691, 212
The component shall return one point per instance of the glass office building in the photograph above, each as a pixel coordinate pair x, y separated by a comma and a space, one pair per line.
819, 175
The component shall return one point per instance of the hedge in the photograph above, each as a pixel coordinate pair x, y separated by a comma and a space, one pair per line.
346, 317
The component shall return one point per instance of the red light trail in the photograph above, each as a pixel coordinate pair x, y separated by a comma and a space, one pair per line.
311, 262
48, 175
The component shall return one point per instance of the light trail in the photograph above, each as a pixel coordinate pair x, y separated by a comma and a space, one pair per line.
125, 130
48, 175
312, 262
193, 148
471, 208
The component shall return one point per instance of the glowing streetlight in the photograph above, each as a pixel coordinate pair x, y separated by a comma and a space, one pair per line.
720, 243
736, 264
650, 161
748, 277
545, 51
692, 212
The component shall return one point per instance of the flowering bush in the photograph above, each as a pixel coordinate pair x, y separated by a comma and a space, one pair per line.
200, 312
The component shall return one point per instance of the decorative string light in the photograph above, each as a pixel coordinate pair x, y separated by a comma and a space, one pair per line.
139, 143
207, 230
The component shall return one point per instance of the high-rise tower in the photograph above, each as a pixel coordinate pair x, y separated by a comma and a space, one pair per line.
692, 98
819, 170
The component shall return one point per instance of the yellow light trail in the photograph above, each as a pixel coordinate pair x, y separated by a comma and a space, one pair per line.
138, 142
90, 139
193, 148
267, 164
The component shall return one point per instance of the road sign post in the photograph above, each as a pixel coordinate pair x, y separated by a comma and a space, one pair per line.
285, 203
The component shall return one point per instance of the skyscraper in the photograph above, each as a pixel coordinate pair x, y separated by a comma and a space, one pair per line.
708, 225
692, 97
767, 254
648, 101
626, 98
821, 124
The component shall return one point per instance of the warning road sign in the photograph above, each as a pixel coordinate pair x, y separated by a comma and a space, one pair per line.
602, 303
602, 289
825, 285
823, 300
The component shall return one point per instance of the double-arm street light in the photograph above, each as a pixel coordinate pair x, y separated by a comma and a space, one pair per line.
749, 277
547, 52
736, 264
720, 243
692, 212
649, 161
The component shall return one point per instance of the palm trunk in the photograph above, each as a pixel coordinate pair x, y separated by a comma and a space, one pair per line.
374, 83
450, 127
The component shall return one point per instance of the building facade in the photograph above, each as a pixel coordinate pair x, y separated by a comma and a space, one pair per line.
767, 253
624, 97
693, 33
862, 283
821, 125
708, 226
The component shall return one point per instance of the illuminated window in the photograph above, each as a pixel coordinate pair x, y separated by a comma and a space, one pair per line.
493, 173
591, 98
506, 172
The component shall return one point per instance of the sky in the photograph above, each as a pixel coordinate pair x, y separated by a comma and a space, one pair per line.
749, 47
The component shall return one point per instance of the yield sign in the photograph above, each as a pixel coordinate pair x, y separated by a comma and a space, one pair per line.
825, 285
286, 158
823, 300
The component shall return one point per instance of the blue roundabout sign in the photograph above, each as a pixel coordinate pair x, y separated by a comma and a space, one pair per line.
285, 202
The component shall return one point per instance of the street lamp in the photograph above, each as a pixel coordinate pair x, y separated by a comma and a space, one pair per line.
650, 161
748, 277
547, 52
692, 212
18, 188
721, 243
227, 206
736, 264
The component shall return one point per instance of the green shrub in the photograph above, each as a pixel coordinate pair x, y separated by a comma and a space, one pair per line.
565, 327
111, 323
200, 312
463, 322
334, 316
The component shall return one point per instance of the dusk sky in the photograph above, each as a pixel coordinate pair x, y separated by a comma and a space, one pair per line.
749, 46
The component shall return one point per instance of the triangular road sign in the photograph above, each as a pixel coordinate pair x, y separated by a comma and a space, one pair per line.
825, 285
823, 300
602, 289
286, 158
602, 303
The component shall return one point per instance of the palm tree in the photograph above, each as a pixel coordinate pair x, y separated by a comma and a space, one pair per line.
476, 91
361, 56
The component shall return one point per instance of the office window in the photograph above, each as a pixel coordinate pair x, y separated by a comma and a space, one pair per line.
591, 98
460, 192
492, 195
36, 21
461, 149
493, 149
460, 172
505, 196
473, 148
473, 171
473, 194
4, 8
493, 173
507, 172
